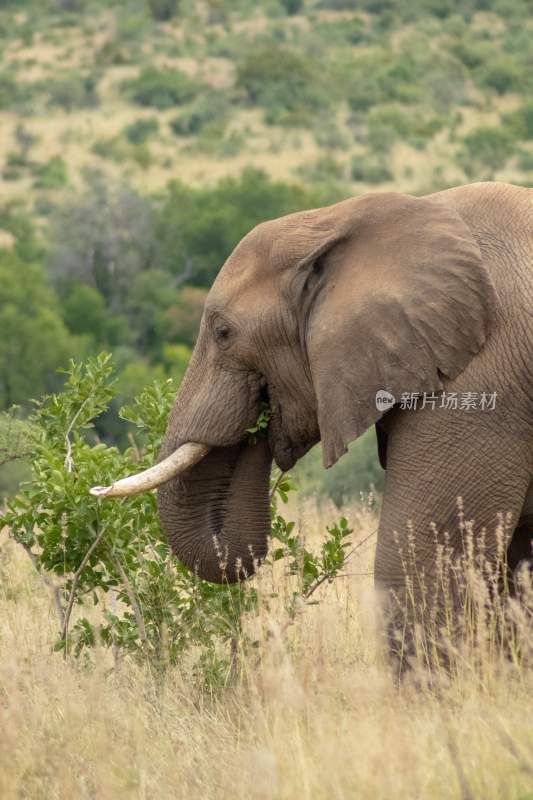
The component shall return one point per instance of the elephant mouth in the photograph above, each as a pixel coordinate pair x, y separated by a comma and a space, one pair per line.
287, 442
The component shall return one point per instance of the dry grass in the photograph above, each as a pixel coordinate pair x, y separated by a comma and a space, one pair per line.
315, 713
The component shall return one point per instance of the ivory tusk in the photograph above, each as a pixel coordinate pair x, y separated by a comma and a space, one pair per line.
184, 457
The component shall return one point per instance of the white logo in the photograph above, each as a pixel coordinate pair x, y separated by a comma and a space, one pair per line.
384, 400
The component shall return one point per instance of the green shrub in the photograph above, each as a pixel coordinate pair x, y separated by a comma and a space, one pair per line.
520, 122
525, 160
503, 74
95, 548
163, 10
470, 52
484, 151
53, 175
112, 53
140, 131
72, 6
325, 168
13, 93
114, 149
339, 5
286, 83
385, 125
209, 108
73, 91
370, 171
292, 6
17, 165
161, 88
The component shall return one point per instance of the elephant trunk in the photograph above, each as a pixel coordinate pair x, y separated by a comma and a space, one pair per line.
217, 516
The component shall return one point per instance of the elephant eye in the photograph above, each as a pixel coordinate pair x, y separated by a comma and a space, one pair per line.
316, 271
222, 333
318, 265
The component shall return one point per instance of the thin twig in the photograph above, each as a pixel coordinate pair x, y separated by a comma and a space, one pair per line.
329, 576
360, 544
75, 579
133, 600
68, 458
276, 484
137, 452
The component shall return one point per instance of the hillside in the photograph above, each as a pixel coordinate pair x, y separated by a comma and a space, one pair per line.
360, 92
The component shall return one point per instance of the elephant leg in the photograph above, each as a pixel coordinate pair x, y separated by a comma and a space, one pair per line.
520, 550
453, 486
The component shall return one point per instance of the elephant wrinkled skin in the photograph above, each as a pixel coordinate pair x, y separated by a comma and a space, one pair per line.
319, 310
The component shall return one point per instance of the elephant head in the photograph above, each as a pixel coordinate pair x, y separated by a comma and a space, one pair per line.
313, 312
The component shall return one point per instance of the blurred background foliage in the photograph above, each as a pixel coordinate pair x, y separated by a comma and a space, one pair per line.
140, 140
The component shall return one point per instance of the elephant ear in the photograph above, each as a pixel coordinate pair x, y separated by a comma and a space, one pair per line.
396, 298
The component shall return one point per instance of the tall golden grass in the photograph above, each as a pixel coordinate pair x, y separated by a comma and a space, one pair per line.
312, 711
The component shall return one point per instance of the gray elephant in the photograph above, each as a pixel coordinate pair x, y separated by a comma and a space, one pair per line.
318, 312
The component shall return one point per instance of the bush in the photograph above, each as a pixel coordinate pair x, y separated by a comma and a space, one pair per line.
470, 52
73, 91
210, 108
385, 125
324, 169
53, 175
525, 161
484, 151
163, 10
502, 74
94, 548
411, 76
140, 131
292, 6
520, 122
284, 82
13, 93
370, 172
114, 149
161, 88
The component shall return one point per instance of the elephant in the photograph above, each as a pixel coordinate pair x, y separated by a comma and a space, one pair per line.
319, 312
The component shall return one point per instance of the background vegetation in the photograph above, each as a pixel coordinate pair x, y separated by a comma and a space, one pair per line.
140, 140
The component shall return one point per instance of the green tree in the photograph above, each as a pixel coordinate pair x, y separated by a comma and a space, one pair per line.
484, 151
84, 312
196, 229
35, 341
